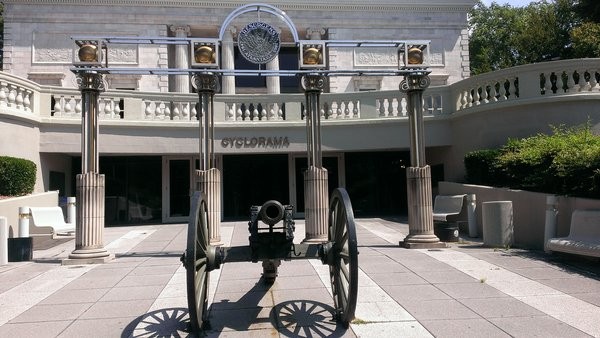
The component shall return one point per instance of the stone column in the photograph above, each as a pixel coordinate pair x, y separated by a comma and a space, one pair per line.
418, 175
181, 84
209, 182
273, 85
316, 192
89, 227
227, 58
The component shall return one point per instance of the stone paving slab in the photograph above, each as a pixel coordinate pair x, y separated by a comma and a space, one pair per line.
463, 291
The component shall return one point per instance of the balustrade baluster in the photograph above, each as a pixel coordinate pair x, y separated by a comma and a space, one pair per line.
116, 111
78, 108
11, 95
194, 112
176, 111
167, 111
485, 95
58, 106
476, 96
356, 109
403, 108
334, 110
149, 111
19, 99
464, 100
246, 114
158, 112
493, 93
280, 112
68, 109
548, 85
571, 86
593, 81
107, 108
185, 111
503, 91
379, 108
584, 85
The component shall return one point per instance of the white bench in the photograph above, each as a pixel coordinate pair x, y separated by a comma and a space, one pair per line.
584, 235
50, 217
449, 208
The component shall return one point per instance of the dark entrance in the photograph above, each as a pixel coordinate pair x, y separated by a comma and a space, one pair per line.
252, 180
376, 182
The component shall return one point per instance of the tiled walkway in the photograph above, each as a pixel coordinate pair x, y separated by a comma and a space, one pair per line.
462, 291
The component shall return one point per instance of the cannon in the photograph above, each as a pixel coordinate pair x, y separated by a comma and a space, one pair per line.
271, 244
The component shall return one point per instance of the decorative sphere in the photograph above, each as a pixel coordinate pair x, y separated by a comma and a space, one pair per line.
415, 56
204, 54
87, 53
311, 56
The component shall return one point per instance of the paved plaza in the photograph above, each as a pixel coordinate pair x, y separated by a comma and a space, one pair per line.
463, 291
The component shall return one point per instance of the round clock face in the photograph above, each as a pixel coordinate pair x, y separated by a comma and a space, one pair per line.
258, 42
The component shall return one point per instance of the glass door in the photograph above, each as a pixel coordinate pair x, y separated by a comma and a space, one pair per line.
177, 187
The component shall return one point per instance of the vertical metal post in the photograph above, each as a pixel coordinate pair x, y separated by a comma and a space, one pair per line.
316, 192
208, 177
418, 175
206, 84
89, 227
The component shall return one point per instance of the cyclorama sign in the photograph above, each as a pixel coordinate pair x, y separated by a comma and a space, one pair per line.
274, 142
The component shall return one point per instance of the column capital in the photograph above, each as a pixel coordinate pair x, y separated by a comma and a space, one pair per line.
204, 82
313, 82
315, 33
180, 30
415, 81
229, 33
90, 81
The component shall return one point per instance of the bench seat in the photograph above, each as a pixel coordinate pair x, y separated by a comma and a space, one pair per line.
50, 217
449, 208
584, 235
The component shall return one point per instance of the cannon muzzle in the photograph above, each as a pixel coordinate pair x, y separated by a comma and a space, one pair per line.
271, 212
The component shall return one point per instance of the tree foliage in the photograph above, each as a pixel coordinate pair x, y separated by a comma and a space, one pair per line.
503, 36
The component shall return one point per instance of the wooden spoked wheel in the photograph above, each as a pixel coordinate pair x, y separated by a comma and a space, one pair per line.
197, 262
343, 268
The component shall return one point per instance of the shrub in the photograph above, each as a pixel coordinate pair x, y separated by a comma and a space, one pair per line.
480, 166
564, 163
17, 176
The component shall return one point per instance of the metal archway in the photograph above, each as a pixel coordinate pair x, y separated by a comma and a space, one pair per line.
258, 7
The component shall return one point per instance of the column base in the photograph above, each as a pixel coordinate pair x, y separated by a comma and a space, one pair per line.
88, 256
315, 240
422, 241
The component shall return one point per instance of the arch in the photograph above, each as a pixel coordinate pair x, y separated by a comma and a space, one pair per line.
259, 8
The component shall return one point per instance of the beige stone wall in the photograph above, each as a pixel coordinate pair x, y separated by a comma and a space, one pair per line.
38, 34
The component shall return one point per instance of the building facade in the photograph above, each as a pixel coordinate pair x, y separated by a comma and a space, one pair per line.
148, 139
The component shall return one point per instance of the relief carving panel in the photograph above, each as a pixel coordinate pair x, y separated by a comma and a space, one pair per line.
375, 57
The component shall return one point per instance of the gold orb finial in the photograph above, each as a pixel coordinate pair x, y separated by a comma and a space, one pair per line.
88, 53
415, 56
204, 54
312, 56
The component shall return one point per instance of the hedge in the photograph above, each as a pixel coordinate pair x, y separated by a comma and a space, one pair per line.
567, 162
17, 176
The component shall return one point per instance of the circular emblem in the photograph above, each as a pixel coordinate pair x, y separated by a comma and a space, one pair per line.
259, 42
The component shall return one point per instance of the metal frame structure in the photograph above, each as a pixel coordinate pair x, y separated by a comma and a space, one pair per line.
335, 242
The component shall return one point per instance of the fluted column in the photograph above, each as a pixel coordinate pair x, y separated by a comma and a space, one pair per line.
316, 192
316, 204
181, 84
89, 227
227, 58
209, 182
418, 175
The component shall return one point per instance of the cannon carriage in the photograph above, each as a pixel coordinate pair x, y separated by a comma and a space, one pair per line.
271, 244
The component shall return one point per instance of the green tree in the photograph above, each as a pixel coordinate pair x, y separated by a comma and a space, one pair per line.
503, 36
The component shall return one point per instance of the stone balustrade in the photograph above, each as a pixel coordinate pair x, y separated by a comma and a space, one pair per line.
513, 85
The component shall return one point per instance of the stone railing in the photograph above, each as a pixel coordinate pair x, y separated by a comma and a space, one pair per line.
536, 81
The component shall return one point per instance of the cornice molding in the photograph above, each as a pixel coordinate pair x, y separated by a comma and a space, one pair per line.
347, 5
